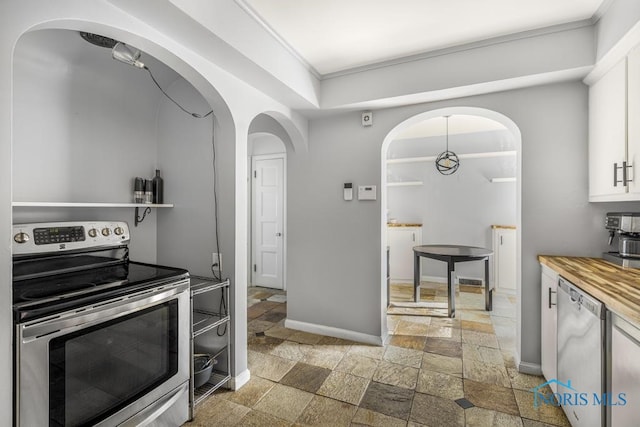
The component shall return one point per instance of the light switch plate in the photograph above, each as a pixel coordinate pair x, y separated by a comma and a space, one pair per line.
366, 192
348, 191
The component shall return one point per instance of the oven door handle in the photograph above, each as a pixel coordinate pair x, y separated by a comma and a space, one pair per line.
85, 316
151, 413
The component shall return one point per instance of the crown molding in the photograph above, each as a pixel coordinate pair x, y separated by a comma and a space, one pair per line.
602, 10
256, 17
426, 54
464, 47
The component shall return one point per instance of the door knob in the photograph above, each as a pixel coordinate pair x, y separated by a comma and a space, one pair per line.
278, 234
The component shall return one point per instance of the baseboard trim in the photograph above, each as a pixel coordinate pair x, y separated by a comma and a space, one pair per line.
333, 332
529, 368
239, 380
436, 279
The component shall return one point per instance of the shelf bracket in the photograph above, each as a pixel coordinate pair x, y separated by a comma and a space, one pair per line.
138, 219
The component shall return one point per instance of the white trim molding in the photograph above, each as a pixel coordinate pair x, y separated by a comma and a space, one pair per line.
334, 332
235, 383
530, 368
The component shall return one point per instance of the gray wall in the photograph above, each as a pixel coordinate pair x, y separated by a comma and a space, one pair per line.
335, 257
185, 159
620, 17
458, 208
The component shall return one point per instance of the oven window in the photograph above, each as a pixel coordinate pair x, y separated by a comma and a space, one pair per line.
95, 372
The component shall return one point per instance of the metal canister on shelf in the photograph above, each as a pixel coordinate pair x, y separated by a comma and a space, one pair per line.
138, 190
148, 191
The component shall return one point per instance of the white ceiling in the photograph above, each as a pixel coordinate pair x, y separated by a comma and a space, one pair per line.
337, 35
458, 124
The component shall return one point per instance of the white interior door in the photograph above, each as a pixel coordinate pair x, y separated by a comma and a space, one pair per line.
268, 221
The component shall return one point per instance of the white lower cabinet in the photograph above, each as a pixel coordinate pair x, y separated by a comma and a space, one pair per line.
504, 257
625, 373
549, 325
401, 241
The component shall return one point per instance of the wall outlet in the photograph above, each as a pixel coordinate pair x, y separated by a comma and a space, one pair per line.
216, 261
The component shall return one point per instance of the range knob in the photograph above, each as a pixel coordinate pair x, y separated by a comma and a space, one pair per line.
118, 231
106, 231
21, 237
92, 233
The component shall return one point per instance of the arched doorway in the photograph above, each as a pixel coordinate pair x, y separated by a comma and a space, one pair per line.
445, 195
271, 137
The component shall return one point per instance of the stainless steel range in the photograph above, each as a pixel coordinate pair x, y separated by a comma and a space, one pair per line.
99, 339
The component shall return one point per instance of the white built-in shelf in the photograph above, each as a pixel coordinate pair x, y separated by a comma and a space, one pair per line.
460, 156
87, 205
405, 184
510, 179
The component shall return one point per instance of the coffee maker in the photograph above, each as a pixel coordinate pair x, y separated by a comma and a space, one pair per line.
625, 226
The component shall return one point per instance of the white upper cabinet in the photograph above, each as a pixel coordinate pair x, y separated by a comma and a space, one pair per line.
607, 133
633, 119
614, 135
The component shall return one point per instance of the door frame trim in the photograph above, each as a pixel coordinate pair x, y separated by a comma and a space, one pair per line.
282, 156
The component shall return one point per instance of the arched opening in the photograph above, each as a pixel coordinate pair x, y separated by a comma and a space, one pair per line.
270, 139
458, 209
88, 125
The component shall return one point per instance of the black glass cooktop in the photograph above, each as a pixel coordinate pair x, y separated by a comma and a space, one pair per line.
43, 295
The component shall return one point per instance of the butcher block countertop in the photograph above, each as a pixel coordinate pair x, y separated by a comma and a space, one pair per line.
618, 288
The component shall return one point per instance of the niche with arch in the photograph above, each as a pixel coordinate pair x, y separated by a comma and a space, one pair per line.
85, 126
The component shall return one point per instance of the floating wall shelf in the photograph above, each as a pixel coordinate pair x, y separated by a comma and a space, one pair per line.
460, 156
405, 184
137, 219
510, 179
87, 205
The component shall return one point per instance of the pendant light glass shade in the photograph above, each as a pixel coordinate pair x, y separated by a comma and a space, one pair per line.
447, 162
123, 53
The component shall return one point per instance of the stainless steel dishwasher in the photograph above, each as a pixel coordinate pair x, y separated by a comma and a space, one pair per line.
581, 357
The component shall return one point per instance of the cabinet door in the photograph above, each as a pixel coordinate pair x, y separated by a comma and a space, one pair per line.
505, 258
401, 241
607, 132
633, 120
549, 325
625, 372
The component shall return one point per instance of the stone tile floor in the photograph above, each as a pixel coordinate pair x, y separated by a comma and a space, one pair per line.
433, 371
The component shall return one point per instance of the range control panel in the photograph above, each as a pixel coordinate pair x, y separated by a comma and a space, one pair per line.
44, 236
65, 236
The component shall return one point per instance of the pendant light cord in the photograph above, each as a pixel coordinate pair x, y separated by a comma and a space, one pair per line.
196, 115
447, 120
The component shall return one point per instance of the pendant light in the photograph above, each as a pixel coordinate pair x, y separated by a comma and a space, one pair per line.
447, 162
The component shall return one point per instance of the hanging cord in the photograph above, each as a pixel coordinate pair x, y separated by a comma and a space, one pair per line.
196, 115
217, 274
447, 117
222, 329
